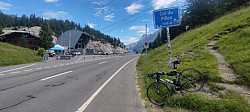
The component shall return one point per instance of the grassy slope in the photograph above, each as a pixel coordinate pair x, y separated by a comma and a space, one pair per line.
236, 49
12, 55
192, 46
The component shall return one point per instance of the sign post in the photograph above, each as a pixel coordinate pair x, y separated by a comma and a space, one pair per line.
146, 46
166, 18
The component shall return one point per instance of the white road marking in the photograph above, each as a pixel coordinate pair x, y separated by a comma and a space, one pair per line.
56, 75
28, 70
102, 62
17, 68
15, 72
85, 105
38, 68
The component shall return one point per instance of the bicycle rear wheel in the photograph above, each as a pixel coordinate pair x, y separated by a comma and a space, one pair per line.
157, 92
192, 80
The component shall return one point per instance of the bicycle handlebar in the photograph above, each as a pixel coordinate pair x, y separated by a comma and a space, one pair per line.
159, 74
156, 75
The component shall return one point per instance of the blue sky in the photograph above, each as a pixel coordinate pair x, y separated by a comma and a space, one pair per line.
125, 19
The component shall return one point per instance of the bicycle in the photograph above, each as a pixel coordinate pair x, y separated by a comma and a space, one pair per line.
188, 80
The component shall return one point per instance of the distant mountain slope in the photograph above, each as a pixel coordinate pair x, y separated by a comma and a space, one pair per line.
139, 45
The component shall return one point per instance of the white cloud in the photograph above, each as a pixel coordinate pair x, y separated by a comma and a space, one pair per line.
134, 8
101, 10
5, 5
98, 3
51, 1
91, 25
130, 40
157, 4
138, 29
109, 17
55, 15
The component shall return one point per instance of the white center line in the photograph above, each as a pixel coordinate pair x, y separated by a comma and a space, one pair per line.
28, 70
17, 68
15, 72
56, 76
102, 62
85, 105
39, 68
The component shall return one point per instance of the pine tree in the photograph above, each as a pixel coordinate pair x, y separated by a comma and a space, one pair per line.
45, 35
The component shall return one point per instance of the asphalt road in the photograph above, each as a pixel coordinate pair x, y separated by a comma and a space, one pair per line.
105, 84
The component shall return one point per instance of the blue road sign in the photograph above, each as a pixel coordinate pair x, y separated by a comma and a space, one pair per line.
167, 17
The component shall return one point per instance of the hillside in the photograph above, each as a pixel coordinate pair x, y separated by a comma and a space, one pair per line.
224, 40
51, 27
12, 55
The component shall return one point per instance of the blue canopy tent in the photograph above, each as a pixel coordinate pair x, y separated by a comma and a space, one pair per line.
57, 47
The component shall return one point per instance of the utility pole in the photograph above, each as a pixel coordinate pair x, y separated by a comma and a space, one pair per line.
69, 40
146, 36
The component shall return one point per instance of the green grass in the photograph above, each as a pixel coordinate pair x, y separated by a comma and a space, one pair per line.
192, 47
13, 55
236, 49
203, 103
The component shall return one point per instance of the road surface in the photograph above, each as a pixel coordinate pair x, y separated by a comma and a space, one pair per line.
105, 84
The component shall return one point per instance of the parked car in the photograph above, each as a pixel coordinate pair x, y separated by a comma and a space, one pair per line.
76, 53
52, 54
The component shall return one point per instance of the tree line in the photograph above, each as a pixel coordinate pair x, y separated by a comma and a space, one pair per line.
52, 27
198, 13
116, 42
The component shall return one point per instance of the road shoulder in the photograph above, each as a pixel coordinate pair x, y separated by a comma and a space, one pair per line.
120, 95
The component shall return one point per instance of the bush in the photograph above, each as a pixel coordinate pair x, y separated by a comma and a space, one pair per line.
40, 51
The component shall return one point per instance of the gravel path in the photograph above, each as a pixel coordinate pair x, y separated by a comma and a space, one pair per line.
227, 73
224, 68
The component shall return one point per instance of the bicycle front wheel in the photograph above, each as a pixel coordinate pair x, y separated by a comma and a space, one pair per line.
192, 80
157, 93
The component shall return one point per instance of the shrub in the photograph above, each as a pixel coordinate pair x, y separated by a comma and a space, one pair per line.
40, 51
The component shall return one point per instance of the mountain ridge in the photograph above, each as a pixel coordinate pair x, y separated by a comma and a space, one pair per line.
139, 45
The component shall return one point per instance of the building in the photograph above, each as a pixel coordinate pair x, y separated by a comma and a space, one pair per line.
79, 41
24, 37
74, 39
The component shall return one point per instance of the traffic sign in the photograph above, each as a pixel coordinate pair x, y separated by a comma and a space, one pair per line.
168, 17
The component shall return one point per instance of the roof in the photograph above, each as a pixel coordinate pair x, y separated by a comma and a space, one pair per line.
34, 31
70, 37
57, 47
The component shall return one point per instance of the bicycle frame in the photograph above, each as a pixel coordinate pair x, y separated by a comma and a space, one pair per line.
175, 84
